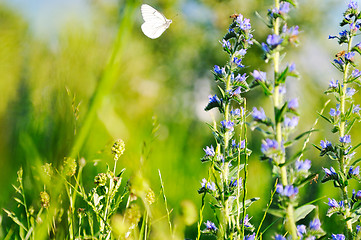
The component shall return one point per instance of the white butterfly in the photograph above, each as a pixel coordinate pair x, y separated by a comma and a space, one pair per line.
155, 23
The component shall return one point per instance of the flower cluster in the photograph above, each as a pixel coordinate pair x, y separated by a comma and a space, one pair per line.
225, 158
342, 117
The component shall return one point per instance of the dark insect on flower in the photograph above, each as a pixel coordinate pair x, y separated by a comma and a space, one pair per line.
234, 16
314, 179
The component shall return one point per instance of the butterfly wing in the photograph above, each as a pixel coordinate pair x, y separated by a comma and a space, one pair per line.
155, 23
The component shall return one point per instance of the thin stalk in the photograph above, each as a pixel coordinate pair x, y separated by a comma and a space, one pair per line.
342, 134
245, 168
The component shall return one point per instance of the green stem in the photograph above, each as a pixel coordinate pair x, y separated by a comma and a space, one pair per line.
290, 225
245, 167
343, 164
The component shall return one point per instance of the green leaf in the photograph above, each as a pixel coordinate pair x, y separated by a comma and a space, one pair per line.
305, 133
265, 88
303, 211
282, 77
326, 118
356, 161
352, 149
349, 125
280, 112
15, 219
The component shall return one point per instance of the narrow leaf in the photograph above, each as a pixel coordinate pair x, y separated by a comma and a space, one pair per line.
303, 211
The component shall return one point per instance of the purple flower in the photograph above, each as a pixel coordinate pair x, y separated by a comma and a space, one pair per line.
243, 144
205, 184
293, 31
236, 112
259, 75
279, 237
338, 237
302, 165
330, 172
334, 112
236, 91
345, 139
288, 191
241, 52
210, 226
293, 104
356, 108
238, 62
274, 40
356, 195
250, 237
301, 229
226, 44
227, 125
349, 56
338, 61
333, 84
218, 70
333, 203
354, 171
265, 47
282, 90
325, 144
356, 73
284, 7
350, 92
315, 224
241, 78
244, 24
246, 222
352, 5
290, 123
209, 151
292, 67
268, 144
258, 115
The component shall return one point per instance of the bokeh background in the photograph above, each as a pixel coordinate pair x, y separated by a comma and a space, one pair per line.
53, 54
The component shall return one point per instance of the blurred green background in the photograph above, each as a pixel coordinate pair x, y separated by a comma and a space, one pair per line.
54, 53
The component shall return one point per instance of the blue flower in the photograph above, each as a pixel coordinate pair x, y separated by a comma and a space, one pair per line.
303, 165
259, 75
210, 226
250, 237
356, 73
352, 5
338, 237
265, 47
354, 171
356, 108
246, 221
325, 144
205, 184
227, 125
293, 104
241, 78
333, 84
274, 40
284, 7
349, 56
213, 99
350, 92
331, 36
237, 91
268, 144
301, 229
234, 183
244, 24
218, 70
345, 139
226, 44
236, 112
330, 172
243, 144
282, 90
258, 115
338, 61
292, 67
279, 237
343, 33
241, 52
209, 151
293, 31
333, 203
334, 112
291, 123
288, 191
315, 224
238, 61
358, 228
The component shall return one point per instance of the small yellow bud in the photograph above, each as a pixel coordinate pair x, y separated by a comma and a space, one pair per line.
69, 166
100, 179
44, 199
118, 149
